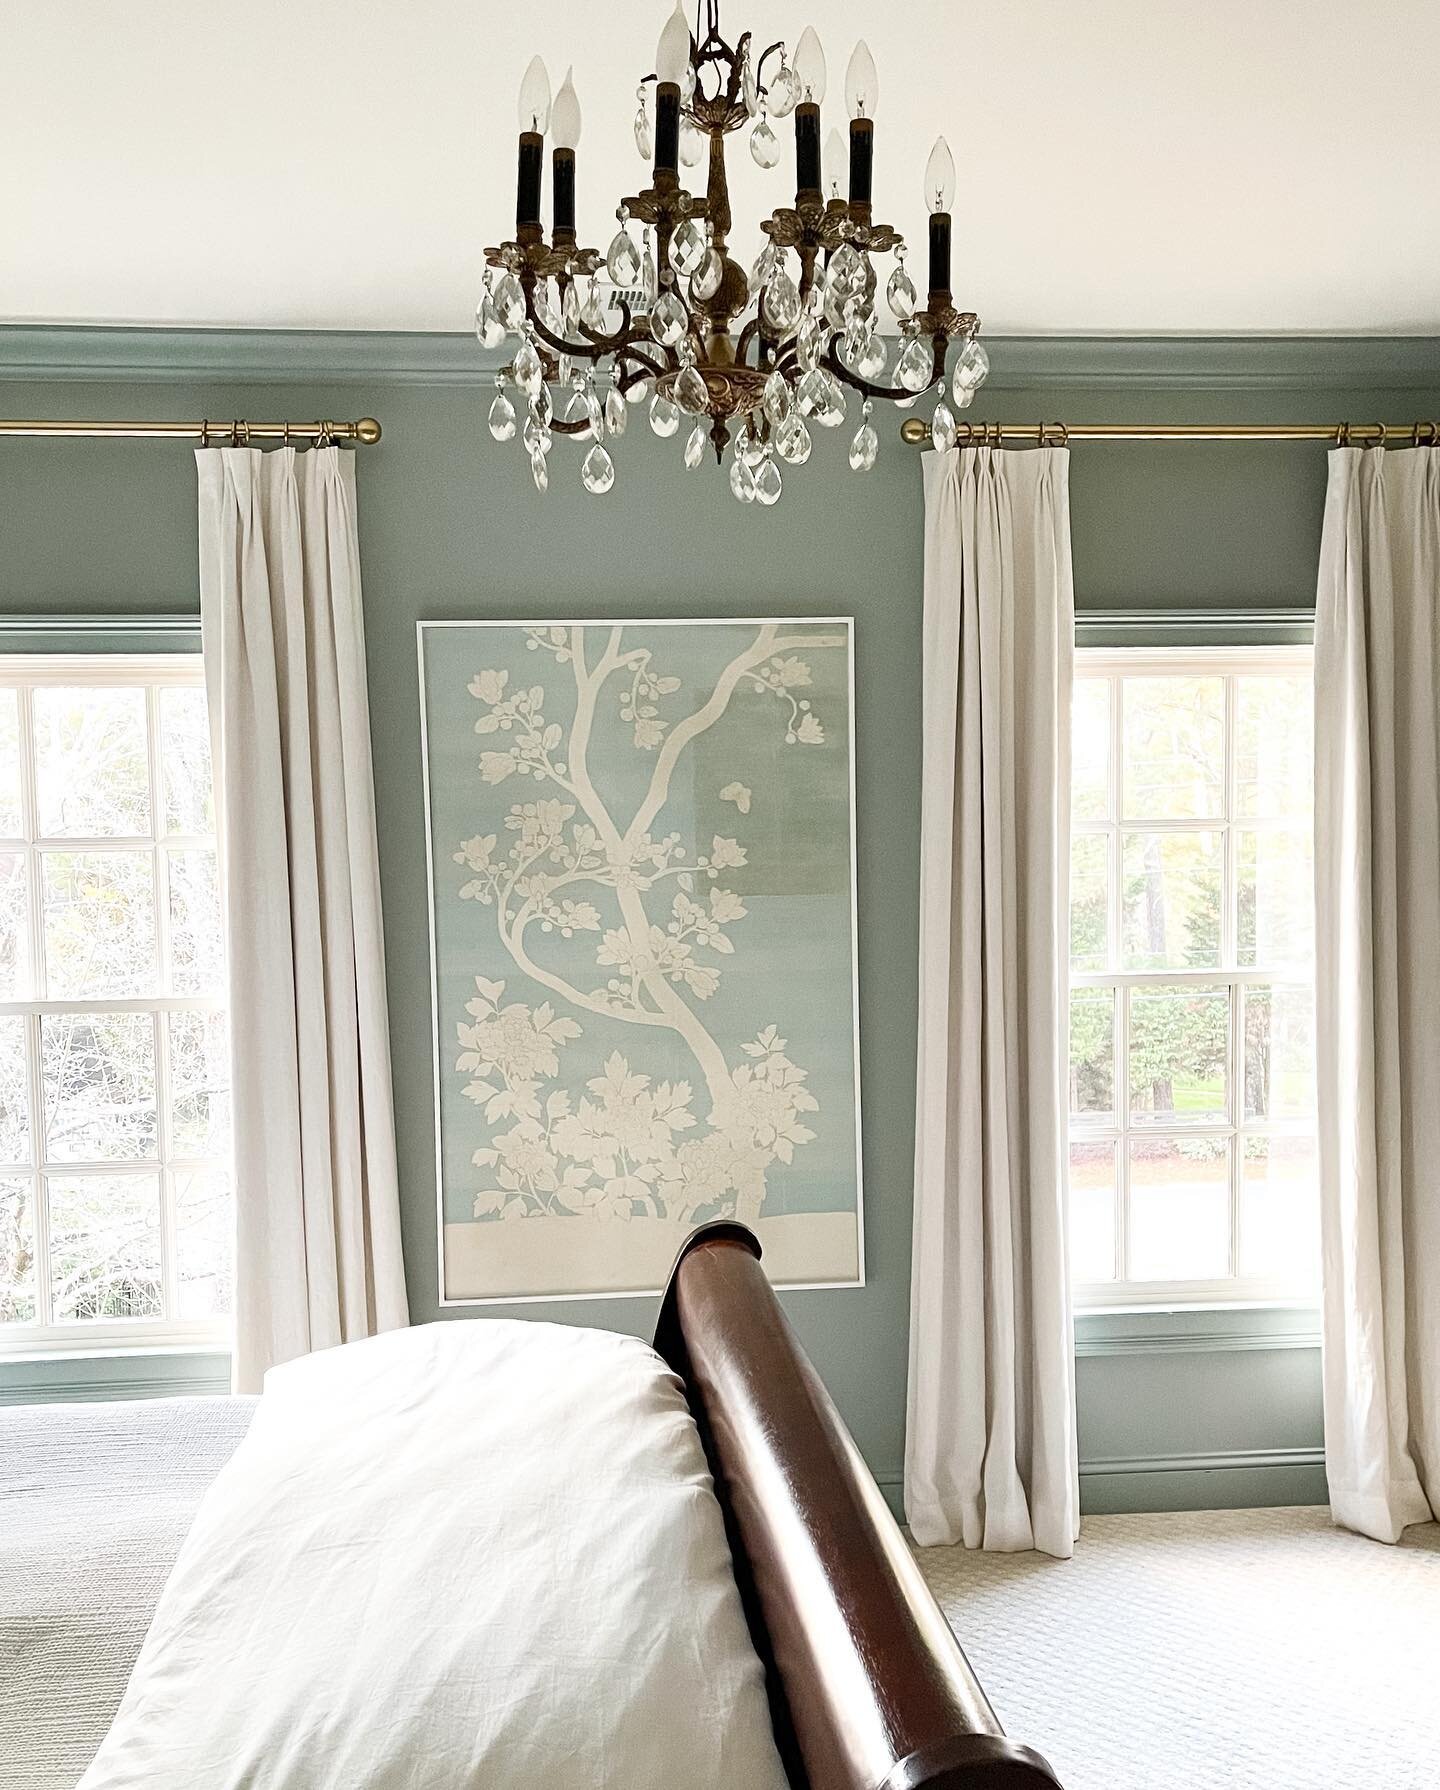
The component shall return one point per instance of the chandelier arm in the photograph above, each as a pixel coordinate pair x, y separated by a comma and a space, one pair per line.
764, 57
896, 394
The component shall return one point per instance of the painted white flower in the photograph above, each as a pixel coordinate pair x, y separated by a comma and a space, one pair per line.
738, 794
489, 686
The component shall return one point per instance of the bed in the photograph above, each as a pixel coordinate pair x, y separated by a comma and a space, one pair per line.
867, 1688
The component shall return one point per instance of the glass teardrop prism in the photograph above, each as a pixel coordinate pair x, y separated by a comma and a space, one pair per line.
597, 471
688, 248
942, 428
764, 266
793, 441
742, 480
616, 415
869, 362
776, 397
668, 319
509, 302
767, 482
749, 92
592, 312
542, 407
536, 436
844, 272
764, 145
622, 259
644, 138
964, 397
595, 414
864, 448
649, 275
489, 330
664, 416
637, 392
705, 283
916, 365
780, 306
695, 447
538, 469
783, 94
971, 367
690, 391
821, 399
692, 143
901, 296
502, 418
570, 308
527, 369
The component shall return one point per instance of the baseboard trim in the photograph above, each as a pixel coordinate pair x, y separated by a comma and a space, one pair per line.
1225, 1460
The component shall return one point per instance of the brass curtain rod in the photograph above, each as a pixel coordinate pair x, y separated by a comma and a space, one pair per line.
917, 432
237, 433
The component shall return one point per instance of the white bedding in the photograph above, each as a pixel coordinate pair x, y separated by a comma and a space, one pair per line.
482, 1553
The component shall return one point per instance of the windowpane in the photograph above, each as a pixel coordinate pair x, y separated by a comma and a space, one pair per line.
1274, 720
1092, 1211
1089, 901
1092, 1053
14, 928
1172, 891
199, 1085
197, 964
99, 1078
204, 1266
1179, 1053
185, 760
92, 766
1179, 1208
1280, 1209
14, 1092
1174, 731
1090, 749
12, 824
1275, 899
17, 1252
1279, 1052
99, 924
105, 1246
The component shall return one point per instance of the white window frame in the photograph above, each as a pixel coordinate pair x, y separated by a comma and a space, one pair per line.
1230, 662
44, 1339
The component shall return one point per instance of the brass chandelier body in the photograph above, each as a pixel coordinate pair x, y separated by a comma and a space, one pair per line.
736, 356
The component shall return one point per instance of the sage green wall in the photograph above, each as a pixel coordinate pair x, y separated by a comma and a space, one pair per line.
450, 528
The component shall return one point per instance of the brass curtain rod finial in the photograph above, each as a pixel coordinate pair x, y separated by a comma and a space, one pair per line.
367, 430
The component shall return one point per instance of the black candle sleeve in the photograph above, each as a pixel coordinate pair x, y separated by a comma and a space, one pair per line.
527, 187
667, 128
562, 188
862, 159
807, 148
939, 251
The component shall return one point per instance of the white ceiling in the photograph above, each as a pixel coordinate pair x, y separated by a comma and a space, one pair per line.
1126, 165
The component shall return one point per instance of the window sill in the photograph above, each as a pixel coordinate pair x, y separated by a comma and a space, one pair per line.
1195, 1328
123, 1371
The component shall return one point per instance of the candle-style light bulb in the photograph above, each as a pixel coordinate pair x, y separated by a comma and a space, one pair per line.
672, 53
835, 162
810, 66
940, 177
565, 114
862, 83
534, 105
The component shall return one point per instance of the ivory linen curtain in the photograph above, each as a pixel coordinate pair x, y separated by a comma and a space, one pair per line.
1377, 887
318, 1257
990, 1445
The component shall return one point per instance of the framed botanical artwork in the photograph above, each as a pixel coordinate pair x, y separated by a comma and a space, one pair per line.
641, 843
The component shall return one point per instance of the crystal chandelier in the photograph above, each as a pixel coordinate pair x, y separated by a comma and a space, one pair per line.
755, 361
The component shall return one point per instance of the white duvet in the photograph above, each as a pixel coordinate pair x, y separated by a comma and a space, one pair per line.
476, 1554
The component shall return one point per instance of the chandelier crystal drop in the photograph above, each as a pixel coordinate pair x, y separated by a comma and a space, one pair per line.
760, 358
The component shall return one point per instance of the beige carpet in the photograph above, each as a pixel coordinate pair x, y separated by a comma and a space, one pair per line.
1211, 1650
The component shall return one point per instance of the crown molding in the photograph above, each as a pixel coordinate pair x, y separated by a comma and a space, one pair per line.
54, 353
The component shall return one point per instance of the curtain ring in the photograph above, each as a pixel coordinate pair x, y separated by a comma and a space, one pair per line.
285, 434
1380, 438
324, 439
1064, 435
204, 432
1342, 435
244, 427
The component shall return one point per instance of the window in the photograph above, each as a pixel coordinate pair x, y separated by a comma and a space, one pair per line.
1192, 1085
114, 1104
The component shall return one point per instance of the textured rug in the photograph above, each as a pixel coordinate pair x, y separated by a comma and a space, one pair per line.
94, 1503
1211, 1650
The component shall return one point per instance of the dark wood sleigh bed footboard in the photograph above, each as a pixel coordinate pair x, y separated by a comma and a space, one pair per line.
869, 1688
